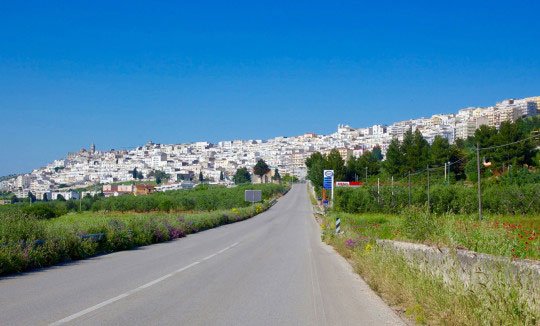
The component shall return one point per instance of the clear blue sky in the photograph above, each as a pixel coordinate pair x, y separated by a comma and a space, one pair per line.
120, 74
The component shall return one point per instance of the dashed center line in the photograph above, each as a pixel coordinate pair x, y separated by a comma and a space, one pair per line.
142, 287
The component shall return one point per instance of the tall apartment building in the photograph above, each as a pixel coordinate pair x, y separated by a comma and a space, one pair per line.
465, 129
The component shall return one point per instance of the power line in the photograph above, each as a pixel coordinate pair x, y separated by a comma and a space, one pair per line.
516, 142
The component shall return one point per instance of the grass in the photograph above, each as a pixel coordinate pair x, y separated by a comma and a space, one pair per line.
64, 239
444, 294
509, 236
311, 198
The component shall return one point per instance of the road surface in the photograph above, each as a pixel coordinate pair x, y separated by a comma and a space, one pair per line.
268, 270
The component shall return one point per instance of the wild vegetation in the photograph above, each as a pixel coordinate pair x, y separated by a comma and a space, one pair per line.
458, 199
444, 294
509, 173
36, 236
201, 198
508, 236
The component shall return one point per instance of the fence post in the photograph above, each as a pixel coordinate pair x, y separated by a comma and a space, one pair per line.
428, 199
409, 188
479, 181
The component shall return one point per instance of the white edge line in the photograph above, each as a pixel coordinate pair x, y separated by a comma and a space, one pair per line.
128, 293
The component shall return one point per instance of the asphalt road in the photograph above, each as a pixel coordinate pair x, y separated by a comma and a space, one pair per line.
268, 270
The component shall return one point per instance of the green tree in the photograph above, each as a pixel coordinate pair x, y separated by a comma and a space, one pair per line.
458, 159
288, 178
377, 152
316, 165
31, 196
260, 169
317, 156
201, 177
369, 160
221, 176
529, 124
416, 151
352, 169
439, 152
159, 175
394, 164
519, 153
242, 176
60, 198
484, 135
276, 175
134, 173
140, 175
335, 162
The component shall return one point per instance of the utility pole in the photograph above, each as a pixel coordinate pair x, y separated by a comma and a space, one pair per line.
479, 181
366, 175
448, 172
80, 201
444, 171
428, 201
409, 188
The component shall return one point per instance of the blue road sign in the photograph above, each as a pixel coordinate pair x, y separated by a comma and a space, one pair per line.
328, 179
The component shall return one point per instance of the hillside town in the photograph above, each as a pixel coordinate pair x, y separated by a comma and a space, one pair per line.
184, 164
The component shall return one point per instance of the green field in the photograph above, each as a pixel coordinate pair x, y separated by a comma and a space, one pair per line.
30, 241
509, 236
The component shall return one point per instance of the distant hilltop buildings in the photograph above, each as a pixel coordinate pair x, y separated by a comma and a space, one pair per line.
216, 161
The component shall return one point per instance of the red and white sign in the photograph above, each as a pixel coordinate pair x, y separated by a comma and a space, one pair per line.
348, 184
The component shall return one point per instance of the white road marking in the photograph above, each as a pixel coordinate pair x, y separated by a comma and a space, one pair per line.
142, 287
208, 257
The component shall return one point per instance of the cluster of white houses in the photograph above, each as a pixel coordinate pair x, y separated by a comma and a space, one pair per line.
218, 162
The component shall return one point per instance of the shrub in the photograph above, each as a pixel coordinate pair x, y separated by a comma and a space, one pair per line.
496, 199
41, 211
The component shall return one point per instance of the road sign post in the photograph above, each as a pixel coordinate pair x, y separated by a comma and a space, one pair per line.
328, 183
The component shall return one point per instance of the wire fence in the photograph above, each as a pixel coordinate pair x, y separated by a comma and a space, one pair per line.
528, 200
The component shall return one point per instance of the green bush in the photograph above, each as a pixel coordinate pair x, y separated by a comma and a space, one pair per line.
61, 238
201, 198
419, 225
42, 211
457, 199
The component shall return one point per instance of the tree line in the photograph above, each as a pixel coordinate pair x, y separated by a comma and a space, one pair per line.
415, 154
